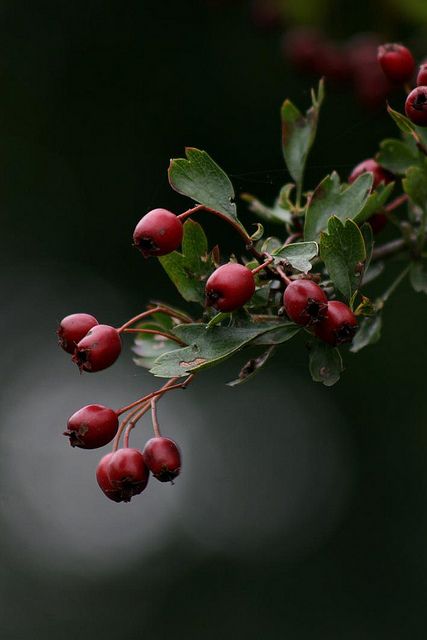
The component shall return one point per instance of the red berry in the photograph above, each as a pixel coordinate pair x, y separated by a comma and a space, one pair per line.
416, 106
127, 472
103, 480
162, 457
100, 347
338, 326
422, 75
397, 62
159, 232
380, 175
305, 302
73, 328
92, 426
230, 287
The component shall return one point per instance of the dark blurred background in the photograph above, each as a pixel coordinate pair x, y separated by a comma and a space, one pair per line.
301, 511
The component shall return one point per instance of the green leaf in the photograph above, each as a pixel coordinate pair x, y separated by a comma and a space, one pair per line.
402, 121
397, 155
415, 185
331, 198
148, 347
298, 254
190, 269
369, 332
284, 332
206, 348
376, 200
257, 235
279, 213
418, 277
299, 132
341, 249
198, 177
368, 239
251, 368
325, 364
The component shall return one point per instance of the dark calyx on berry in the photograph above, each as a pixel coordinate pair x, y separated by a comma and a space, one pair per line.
99, 349
305, 302
127, 472
339, 326
416, 106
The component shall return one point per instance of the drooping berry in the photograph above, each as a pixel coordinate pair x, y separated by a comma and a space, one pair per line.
127, 472
422, 75
162, 457
339, 325
305, 302
73, 328
99, 349
416, 106
159, 232
380, 175
397, 62
104, 481
92, 426
230, 287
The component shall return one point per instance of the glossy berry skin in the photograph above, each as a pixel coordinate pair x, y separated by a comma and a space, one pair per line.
339, 325
99, 349
230, 287
159, 232
397, 62
73, 328
380, 175
103, 480
416, 106
92, 426
422, 75
127, 472
162, 457
305, 302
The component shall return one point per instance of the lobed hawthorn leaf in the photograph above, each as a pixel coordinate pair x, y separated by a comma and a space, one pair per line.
325, 363
397, 155
200, 178
206, 347
418, 277
369, 332
331, 198
298, 254
190, 269
415, 185
299, 132
376, 200
341, 249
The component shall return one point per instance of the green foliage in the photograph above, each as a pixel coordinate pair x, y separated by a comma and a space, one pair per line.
190, 269
375, 202
279, 213
369, 332
198, 177
148, 347
331, 198
397, 155
415, 185
418, 276
299, 132
207, 347
252, 367
298, 255
325, 363
342, 248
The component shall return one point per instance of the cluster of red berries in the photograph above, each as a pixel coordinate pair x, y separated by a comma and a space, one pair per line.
124, 472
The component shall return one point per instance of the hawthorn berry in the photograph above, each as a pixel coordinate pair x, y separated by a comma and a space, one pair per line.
305, 302
230, 287
127, 472
92, 426
338, 326
416, 106
397, 62
422, 75
162, 457
380, 175
103, 480
73, 328
159, 232
99, 349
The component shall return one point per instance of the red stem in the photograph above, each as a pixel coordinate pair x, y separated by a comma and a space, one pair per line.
156, 332
262, 266
171, 384
156, 309
283, 275
156, 427
397, 202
